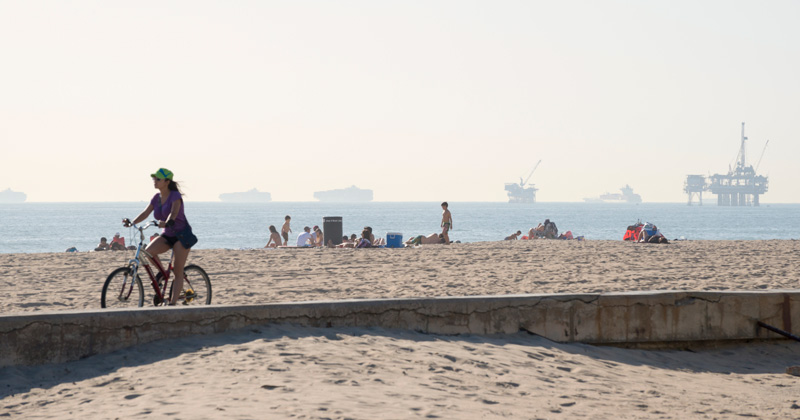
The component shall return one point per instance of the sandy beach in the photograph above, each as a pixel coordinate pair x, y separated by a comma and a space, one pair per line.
291, 372
61, 281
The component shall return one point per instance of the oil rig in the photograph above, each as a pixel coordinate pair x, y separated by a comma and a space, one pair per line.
523, 192
739, 187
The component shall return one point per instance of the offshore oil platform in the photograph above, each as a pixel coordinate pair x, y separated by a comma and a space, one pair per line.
523, 192
739, 187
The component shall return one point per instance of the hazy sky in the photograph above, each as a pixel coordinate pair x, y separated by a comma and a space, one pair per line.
417, 100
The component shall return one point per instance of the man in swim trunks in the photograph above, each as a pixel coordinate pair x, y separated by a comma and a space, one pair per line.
447, 223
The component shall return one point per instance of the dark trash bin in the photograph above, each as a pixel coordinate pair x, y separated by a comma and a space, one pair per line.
332, 229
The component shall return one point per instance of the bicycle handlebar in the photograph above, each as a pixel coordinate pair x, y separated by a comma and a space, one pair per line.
140, 227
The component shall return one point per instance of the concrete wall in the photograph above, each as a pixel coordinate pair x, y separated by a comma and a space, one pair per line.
656, 318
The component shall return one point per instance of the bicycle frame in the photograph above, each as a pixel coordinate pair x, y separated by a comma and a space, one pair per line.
135, 263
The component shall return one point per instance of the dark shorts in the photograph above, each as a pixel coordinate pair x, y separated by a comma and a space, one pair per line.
185, 237
171, 240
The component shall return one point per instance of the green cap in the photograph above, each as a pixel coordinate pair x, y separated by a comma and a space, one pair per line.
162, 173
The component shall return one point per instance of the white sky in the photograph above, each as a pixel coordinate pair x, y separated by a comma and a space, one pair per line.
417, 100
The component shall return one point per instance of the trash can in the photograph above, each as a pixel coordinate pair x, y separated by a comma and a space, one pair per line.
332, 229
394, 240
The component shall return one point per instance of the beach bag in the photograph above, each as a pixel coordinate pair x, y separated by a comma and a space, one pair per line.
630, 234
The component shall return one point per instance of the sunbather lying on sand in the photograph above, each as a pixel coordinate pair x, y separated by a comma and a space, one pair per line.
433, 238
347, 242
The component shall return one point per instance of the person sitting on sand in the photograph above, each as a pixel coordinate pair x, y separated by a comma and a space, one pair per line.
433, 238
550, 229
513, 236
103, 245
364, 242
274, 238
305, 239
319, 238
651, 234
372, 240
537, 232
117, 242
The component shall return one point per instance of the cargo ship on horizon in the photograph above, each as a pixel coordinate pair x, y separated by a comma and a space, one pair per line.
626, 196
345, 195
9, 196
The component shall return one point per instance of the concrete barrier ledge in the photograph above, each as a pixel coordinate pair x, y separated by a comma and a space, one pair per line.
612, 319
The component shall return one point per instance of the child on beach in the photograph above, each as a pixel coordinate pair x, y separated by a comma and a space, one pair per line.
274, 238
513, 236
285, 229
447, 223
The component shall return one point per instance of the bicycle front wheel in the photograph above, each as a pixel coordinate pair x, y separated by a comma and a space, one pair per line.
122, 290
196, 286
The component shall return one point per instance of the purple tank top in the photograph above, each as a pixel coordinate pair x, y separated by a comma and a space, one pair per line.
161, 212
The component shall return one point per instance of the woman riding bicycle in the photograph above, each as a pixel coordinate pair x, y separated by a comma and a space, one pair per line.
177, 234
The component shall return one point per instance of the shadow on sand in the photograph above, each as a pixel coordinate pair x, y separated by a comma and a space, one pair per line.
757, 358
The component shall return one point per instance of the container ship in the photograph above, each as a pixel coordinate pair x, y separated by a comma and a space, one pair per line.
626, 195
9, 196
344, 195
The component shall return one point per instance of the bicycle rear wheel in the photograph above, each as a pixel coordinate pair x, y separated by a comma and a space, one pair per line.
196, 286
122, 290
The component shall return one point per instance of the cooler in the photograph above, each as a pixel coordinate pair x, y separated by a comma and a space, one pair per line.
394, 240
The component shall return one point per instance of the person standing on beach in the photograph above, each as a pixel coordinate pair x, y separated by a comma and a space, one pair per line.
285, 230
177, 235
447, 223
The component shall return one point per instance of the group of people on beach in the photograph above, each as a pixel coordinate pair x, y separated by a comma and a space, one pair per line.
117, 244
436, 238
645, 232
315, 237
309, 237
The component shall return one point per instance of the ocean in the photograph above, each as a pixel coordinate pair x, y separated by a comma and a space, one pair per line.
54, 227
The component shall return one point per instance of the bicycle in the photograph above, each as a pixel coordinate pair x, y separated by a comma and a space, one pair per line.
123, 287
